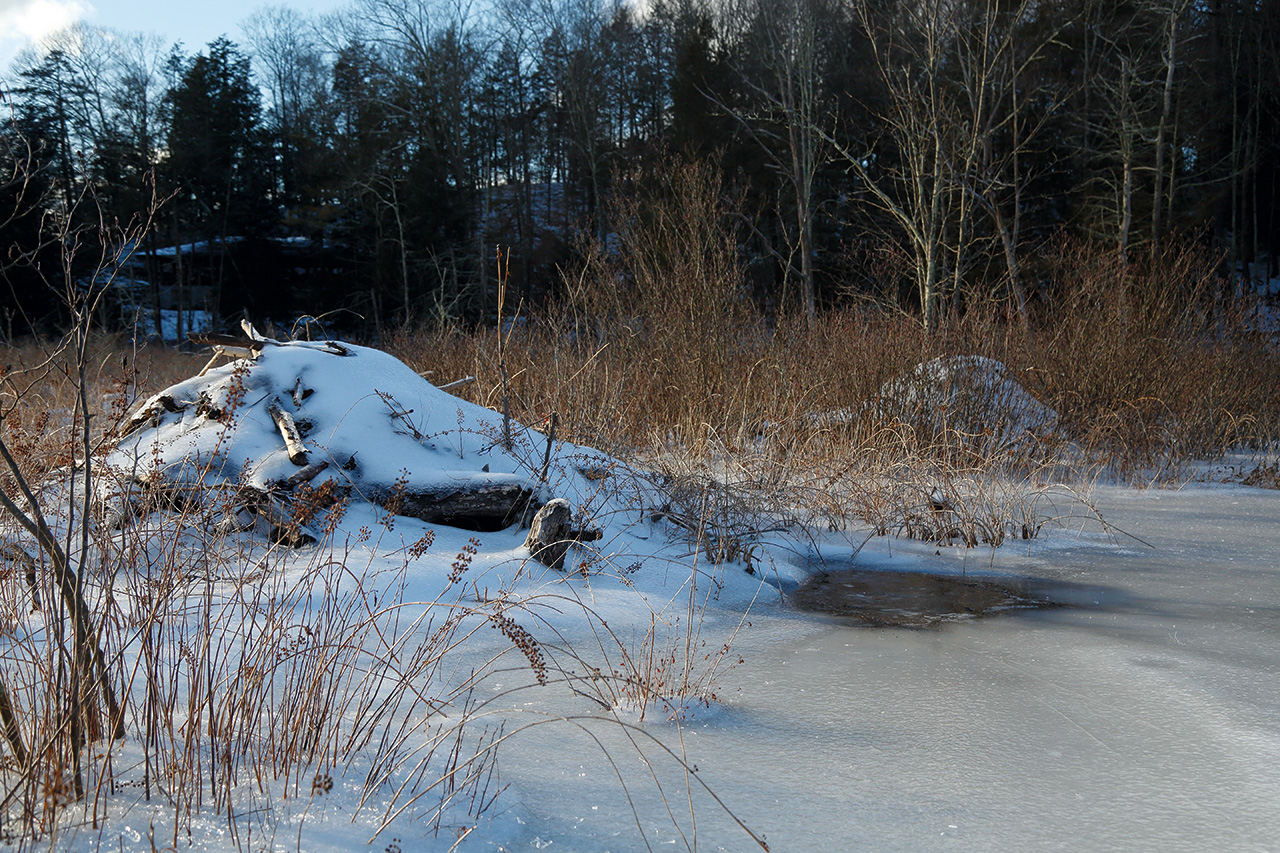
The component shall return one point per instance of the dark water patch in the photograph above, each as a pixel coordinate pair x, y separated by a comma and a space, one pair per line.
920, 599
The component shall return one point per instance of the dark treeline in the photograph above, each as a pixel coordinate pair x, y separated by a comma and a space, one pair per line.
920, 152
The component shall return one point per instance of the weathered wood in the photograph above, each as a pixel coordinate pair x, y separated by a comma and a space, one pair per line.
548, 540
289, 431
300, 394
237, 345
336, 348
491, 506
306, 475
151, 413
457, 383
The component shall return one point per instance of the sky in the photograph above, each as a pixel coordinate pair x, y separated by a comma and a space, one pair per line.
24, 22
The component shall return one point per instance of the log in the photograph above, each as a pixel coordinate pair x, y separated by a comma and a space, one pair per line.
289, 431
306, 475
150, 414
236, 345
17, 554
549, 540
491, 506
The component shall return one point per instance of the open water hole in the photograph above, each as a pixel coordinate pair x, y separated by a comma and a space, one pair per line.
917, 599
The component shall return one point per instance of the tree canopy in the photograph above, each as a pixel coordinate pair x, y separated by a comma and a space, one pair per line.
920, 153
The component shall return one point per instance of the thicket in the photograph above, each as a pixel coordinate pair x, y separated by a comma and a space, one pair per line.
1150, 362
399, 142
747, 422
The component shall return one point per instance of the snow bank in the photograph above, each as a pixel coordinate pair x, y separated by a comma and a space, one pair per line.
359, 423
974, 397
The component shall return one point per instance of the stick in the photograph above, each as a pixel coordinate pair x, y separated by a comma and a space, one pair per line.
289, 431
457, 383
551, 439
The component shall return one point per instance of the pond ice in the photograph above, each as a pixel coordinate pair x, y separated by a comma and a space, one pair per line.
1146, 719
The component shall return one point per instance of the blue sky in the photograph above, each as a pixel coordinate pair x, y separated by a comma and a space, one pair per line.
194, 23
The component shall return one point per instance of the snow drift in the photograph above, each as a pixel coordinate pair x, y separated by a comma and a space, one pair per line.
251, 439
976, 398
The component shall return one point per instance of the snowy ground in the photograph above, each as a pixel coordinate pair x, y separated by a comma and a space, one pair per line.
1144, 717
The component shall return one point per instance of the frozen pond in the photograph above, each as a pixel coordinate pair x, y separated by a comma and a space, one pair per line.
1144, 717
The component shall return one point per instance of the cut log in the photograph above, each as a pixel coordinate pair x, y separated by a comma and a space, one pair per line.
289, 431
19, 556
549, 534
487, 507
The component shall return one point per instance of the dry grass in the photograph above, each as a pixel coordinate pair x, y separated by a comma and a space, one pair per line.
741, 426
656, 354
253, 674
1148, 367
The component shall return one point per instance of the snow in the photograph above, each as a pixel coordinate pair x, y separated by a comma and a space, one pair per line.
1147, 716
368, 416
974, 396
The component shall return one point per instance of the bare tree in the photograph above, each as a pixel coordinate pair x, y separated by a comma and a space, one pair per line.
913, 177
953, 127
783, 39
1173, 14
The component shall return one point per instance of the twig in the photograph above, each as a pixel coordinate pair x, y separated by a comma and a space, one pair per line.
457, 383
551, 440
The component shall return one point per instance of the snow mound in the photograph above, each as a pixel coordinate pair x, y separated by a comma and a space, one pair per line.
973, 397
346, 420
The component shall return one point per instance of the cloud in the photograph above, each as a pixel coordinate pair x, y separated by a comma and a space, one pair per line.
23, 23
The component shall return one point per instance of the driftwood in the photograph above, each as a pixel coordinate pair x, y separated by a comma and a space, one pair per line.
552, 532
18, 555
491, 506
289, 431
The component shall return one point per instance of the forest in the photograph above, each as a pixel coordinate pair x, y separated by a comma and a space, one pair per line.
749, 293
389, 165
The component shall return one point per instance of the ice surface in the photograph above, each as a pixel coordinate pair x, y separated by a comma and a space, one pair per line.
1146, 719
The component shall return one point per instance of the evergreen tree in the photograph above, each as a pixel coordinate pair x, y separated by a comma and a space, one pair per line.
217, 149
